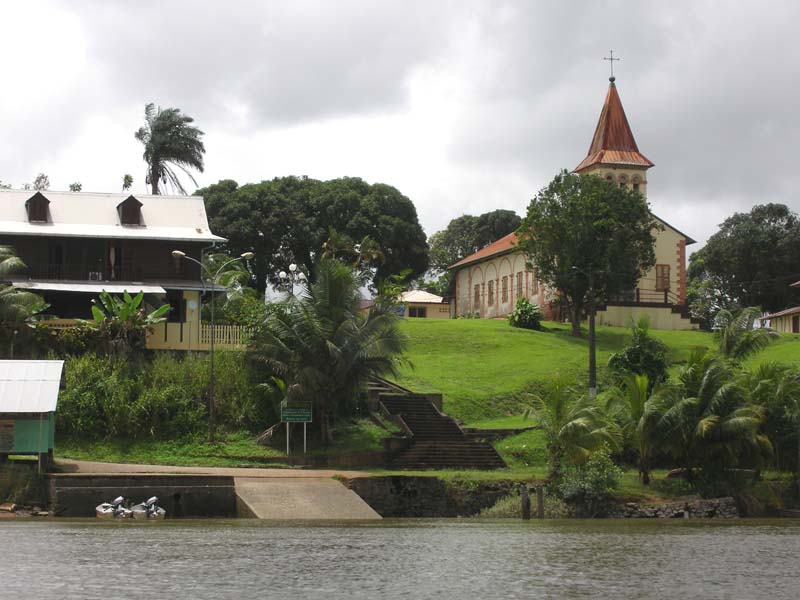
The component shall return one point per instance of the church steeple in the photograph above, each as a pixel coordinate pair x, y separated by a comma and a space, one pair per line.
613, 149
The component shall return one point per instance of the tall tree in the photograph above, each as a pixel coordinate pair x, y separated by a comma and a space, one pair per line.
580, 225
324, 348
753, 258
127, 182
467, 234
75, 187
169, 140
289, 219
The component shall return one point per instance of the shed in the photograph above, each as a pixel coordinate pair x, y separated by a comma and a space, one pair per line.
28, 400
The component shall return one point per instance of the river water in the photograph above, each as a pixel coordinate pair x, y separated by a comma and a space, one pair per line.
460, 559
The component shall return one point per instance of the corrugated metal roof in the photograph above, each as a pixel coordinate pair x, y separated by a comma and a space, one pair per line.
420, 297
83, 214
502, 246
91, 288
29, 386
613, 141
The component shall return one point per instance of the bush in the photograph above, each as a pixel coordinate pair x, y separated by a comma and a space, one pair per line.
163, 397
588, 487
526, 315
644, 355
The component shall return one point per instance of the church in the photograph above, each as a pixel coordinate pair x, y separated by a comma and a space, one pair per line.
488, 282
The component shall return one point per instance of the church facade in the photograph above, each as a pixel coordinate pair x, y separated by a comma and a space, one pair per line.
488, 282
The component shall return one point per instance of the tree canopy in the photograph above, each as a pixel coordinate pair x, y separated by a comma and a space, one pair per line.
580, 225
289, 219
750, 261
467, 234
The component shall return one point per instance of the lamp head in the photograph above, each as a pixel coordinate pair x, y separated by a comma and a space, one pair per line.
302, 276
178, 254
293, 267
248, 255
282, 274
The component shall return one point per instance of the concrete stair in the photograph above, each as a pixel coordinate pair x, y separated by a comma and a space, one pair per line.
438, 441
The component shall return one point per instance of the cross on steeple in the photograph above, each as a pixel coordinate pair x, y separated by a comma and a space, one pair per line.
611, 59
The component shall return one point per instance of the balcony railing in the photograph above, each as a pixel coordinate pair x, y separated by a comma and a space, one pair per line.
75, 272
645, 296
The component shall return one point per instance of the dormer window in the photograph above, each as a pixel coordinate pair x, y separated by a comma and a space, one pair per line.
38, 209
130, 212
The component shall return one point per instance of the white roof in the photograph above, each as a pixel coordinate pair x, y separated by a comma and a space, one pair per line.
96, 288
29, 386
85, 214
420, 297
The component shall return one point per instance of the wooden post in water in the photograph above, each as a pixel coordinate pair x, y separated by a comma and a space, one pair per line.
539, 502
526, 502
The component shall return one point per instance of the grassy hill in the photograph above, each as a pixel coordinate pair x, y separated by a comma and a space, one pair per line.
485, 368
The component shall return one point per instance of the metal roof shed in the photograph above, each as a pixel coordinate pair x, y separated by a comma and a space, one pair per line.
28, 399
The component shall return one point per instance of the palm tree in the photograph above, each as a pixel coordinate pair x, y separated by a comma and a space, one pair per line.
775, 388
325, 349
169, 139
17, 307
573, 425
737, 336
709, 422
641, 415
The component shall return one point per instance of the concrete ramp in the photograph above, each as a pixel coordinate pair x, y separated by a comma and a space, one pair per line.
302, 498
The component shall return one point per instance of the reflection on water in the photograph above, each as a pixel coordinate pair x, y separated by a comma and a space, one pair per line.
461, 559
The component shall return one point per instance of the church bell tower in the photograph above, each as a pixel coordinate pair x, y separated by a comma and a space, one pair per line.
613, 153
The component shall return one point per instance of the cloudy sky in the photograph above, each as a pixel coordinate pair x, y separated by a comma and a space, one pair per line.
464, 106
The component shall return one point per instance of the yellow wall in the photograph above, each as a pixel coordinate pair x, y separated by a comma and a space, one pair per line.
179, 336
432, 311
782, 324
494, 270
660, 318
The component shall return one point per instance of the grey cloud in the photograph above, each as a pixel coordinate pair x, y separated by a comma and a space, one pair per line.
281, 62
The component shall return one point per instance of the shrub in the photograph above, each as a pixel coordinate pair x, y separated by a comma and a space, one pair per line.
644, 355
163, 397
526, 315
588, 487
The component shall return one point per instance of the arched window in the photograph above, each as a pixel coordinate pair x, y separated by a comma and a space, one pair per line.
37, 207
623, 180
636, 182
130, 212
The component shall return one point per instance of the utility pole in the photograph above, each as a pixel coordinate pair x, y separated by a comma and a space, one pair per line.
592, 337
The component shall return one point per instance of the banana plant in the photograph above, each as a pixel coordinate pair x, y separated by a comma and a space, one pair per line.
124, 322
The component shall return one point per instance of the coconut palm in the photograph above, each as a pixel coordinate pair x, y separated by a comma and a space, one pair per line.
573, 425
775, 388
641, 412
169, 140
18, 308
325, 349
709, 422
737, 336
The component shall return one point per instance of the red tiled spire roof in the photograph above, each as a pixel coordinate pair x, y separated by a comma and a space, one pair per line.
502, 246
613, 141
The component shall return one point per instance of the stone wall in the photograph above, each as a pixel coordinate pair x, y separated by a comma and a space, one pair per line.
714, 508
429, 497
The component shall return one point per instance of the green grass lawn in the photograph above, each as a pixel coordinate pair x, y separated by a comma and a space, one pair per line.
486, 368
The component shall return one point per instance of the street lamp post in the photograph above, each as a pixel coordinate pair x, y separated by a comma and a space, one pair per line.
592, 338
213, 277
292, 277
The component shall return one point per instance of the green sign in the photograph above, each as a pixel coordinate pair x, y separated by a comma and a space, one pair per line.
296, 413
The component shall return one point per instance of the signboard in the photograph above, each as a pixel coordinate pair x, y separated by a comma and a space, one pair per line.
296, 412
6, 435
